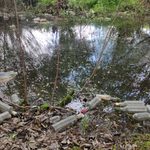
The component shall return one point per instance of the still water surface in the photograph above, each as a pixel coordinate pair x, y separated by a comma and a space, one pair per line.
124, 70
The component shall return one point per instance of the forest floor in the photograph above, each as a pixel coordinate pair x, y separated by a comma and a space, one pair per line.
99, 130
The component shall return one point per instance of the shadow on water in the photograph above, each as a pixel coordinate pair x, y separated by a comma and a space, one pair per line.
124, 71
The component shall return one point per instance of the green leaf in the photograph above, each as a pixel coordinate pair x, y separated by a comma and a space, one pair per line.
44, 106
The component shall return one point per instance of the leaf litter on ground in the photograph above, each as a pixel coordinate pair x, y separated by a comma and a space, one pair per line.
32, 129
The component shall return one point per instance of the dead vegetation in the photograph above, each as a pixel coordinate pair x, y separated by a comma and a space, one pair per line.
98, 130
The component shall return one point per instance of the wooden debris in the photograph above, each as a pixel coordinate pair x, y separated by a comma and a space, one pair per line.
63, 124
4, 115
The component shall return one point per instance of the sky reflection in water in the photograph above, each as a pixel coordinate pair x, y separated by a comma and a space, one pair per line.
45, 42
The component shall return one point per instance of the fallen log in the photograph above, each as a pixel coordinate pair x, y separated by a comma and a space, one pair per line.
4, 115
63, 124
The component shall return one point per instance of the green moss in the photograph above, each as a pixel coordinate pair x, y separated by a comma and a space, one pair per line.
76, 148
48, 2
67, 99
44, 106
142, 141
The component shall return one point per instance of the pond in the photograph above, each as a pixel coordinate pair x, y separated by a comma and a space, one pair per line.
63, 55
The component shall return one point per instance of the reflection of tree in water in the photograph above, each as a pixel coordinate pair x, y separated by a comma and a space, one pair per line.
74, 56
115, 78
41, 70
10, 57
7, 52
120, 78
